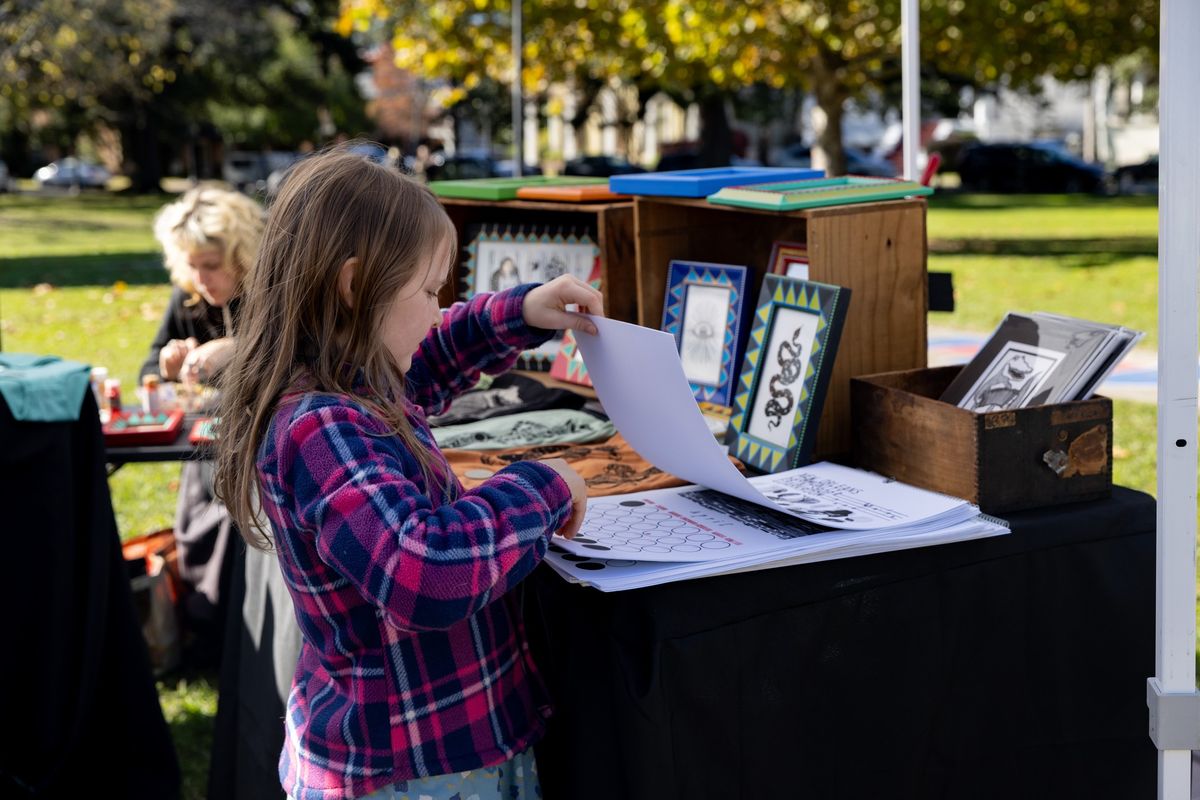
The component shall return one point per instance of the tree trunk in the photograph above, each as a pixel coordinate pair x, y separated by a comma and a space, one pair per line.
140, 150
831, 100
716, 137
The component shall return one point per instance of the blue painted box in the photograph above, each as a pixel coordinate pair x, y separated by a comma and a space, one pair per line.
703, 182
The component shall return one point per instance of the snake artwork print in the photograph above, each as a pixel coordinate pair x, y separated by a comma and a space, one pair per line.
791, 365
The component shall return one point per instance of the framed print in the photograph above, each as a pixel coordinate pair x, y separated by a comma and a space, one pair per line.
790, 259
703, 310
789, 358
498, 258
568, 363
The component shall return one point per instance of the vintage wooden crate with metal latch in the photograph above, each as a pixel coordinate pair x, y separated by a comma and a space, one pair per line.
1001, 460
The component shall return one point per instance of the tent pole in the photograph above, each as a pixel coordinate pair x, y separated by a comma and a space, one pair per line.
910, 70
1171, 694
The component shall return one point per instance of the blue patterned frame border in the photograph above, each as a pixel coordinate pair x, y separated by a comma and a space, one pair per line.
829, 303
683, 274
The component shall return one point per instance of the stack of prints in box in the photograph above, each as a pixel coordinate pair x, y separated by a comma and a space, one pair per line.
1040, 359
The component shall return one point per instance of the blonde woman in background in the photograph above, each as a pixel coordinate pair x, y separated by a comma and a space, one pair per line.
210, 238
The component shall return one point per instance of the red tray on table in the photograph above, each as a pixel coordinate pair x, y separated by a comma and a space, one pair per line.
130, 428
204, 430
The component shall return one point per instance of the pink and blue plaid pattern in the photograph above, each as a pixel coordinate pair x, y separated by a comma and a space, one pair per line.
414, 662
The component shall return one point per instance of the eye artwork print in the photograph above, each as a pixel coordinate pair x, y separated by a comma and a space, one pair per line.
702, 341
791, 363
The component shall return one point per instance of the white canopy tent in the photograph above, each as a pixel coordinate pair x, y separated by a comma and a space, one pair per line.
1171, 693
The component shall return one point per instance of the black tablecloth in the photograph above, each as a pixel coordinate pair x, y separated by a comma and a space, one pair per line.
78, 713
1012, 667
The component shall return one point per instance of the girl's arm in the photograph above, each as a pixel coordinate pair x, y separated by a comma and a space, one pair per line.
425, 567
484, 334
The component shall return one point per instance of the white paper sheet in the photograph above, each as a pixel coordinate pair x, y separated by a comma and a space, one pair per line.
639, 378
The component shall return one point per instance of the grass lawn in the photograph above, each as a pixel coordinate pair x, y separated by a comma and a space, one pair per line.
1091, 257
81, 277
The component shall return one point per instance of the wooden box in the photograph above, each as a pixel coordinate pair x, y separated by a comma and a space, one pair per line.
610, 223
1002, 460
876, 249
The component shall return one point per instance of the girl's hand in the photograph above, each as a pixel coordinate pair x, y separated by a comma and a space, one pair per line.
578, 495
171, 356
546, 306
206, 360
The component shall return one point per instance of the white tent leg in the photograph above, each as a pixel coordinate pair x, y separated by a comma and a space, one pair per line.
910, 71
1174, 722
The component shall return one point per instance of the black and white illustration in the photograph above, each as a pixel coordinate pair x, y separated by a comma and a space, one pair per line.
705, 319
781, 377
1016, 373
781, 526
1035, 359
501, 262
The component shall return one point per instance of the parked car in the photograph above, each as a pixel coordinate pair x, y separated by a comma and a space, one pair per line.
504, 168
1136, 178
72, 171
1026, 167
600, 166
471, 164
858, 161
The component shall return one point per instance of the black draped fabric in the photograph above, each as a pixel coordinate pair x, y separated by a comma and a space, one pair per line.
79, 708
1012, 667
204, 536
262, 644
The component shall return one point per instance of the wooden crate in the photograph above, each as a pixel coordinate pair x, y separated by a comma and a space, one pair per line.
1001, 460
876, 249
611, 223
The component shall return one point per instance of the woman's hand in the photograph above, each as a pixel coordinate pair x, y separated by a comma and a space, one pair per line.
206, 360
172, 355
578, 495
546, 306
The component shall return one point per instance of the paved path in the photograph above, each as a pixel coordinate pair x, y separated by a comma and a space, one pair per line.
1135, 378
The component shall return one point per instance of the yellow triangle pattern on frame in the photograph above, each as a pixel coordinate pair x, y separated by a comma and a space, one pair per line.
776, 457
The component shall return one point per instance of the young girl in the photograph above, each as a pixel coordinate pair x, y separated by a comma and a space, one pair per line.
414, 677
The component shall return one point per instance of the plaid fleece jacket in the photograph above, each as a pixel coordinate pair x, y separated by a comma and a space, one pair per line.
413, 661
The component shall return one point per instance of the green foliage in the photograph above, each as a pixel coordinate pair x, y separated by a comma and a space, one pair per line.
260, 73
835, 48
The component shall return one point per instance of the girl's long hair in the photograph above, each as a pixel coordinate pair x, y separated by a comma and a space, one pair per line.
296, 331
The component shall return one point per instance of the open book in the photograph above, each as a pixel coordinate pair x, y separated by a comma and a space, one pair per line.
727, 522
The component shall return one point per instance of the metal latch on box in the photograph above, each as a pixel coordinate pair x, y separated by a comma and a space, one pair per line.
1174, 717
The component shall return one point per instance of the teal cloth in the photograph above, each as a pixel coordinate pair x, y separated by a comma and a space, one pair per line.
43, 388
549, 426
